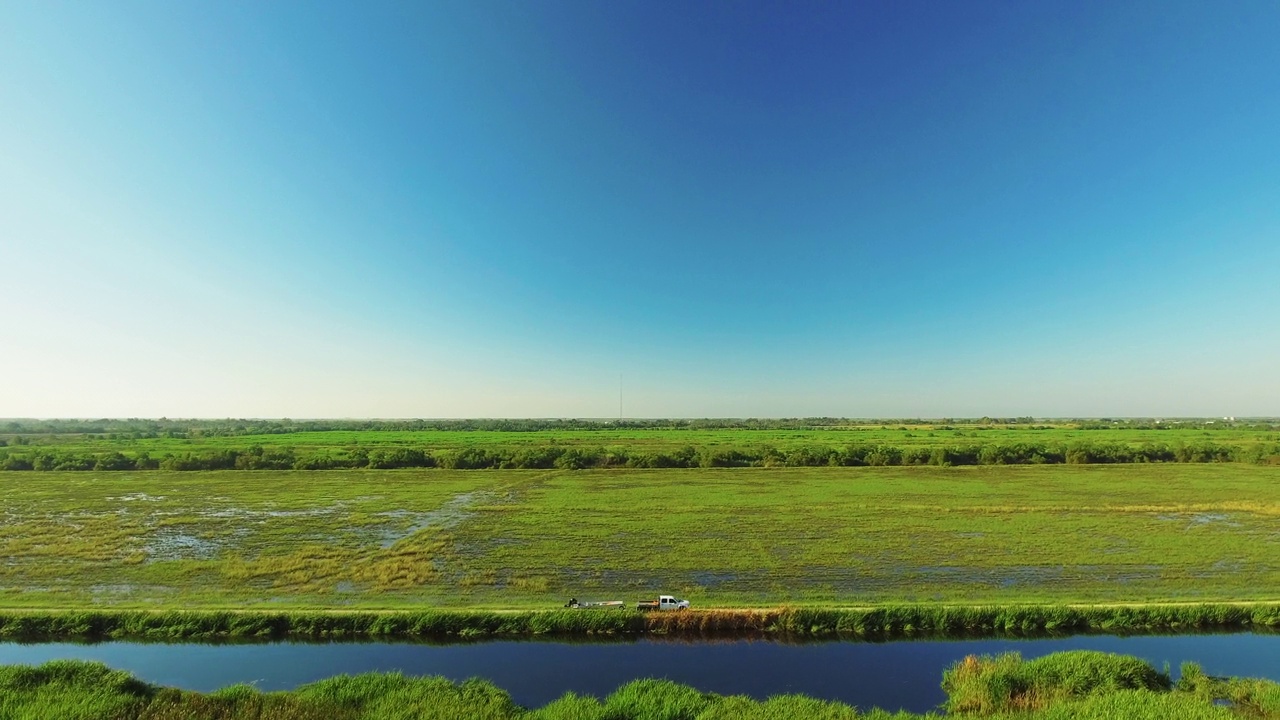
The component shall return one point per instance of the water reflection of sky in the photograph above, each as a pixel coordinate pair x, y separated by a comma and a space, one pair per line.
889, 675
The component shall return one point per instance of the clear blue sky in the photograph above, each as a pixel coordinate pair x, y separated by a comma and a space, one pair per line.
450, 209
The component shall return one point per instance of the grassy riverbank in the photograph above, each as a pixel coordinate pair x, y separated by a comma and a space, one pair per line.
1077, 684
749, 537
873, 623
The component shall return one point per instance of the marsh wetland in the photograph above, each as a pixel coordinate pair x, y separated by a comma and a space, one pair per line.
749, 537
804, 539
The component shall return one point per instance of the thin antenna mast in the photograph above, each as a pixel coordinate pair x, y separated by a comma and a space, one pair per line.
619, 397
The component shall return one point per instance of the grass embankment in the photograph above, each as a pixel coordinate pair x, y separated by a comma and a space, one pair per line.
735, 538
876, 623
1078, 684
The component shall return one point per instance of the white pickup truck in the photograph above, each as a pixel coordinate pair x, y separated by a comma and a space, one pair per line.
664, 602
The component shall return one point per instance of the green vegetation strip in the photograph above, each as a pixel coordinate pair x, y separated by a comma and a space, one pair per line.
878, 623
1080, 684
118, 446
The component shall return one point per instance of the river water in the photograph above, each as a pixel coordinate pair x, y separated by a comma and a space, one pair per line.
892, 675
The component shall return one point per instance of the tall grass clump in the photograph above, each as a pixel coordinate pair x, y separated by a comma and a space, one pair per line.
656, 700
570, 706
1134, 705
660, 700
237, 702
70, 689
1006, 683
1253, 697
375, 696
711, 622
778, 707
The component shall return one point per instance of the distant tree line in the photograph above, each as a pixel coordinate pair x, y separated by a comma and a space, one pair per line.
135, 428
573, 458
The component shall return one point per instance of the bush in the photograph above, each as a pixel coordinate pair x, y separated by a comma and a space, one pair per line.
1007, 683
656, 700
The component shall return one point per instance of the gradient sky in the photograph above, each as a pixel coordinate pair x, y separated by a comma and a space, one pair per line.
463, 209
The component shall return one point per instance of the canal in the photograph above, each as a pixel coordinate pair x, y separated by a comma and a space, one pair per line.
891, 675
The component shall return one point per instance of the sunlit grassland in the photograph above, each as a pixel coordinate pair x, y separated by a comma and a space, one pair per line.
723, 538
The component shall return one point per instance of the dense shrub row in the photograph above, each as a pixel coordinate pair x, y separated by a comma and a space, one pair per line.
573, 458
886, 622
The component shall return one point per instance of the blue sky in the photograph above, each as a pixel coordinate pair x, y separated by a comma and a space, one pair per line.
508, 209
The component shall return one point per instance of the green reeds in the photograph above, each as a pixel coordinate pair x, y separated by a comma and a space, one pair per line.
968, 621
875, 623
303, 625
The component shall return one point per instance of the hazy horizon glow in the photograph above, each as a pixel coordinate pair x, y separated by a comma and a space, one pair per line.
476, 209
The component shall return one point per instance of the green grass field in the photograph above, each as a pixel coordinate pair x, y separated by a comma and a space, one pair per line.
722, 538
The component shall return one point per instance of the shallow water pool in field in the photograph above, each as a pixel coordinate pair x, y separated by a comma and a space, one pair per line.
892, 675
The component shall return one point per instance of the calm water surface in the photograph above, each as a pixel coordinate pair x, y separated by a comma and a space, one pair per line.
890, 675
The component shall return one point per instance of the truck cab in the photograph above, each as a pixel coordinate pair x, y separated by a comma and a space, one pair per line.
664, 602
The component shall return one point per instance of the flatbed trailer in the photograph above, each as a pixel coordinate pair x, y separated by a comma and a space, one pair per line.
577, 604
